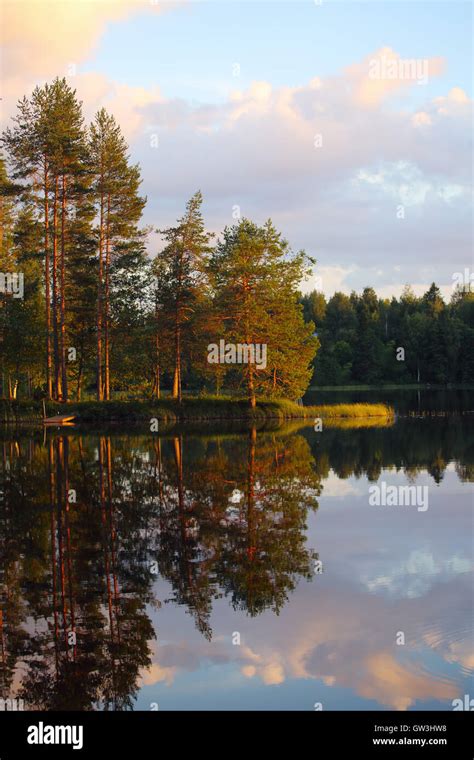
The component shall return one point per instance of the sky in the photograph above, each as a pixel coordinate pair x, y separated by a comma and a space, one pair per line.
288, 110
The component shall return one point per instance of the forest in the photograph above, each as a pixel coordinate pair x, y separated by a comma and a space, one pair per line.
90, 309
369, 340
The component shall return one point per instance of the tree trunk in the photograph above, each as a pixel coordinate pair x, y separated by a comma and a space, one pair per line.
79, 375
63, 293
177, 367
156, 379
107, 298
99, 302
57, 381
251, 387
47, 287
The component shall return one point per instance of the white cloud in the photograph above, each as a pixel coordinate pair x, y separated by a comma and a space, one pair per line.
328, 279
338, 201
123, 101
257, 150
421, 119
384, 72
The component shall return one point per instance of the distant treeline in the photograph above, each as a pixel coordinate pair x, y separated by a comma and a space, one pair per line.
366, 339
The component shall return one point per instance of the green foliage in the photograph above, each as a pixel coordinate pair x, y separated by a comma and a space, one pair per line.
180, 287
255, 277
361, 337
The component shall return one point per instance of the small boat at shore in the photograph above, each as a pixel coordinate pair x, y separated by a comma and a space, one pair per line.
60, 419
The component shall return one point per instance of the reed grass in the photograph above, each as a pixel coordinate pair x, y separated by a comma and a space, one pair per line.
196, 408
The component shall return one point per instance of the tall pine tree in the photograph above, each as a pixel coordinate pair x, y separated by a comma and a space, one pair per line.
119, 208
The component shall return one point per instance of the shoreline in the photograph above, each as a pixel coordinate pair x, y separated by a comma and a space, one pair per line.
392, 387
191, 409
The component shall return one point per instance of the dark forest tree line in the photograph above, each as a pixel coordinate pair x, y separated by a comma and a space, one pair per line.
362, 336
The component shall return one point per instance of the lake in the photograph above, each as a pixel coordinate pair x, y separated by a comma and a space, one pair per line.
233, 568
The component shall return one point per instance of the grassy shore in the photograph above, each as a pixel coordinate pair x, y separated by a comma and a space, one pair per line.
195, 409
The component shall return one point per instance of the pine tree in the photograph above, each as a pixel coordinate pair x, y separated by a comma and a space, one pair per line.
256, 279
180, 271
292, 350
46, 148
119, 208
71, 177
7, 268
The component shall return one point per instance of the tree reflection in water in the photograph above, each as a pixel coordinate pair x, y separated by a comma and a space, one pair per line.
88, 523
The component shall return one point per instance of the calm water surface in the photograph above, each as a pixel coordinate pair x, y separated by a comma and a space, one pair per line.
246, 569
